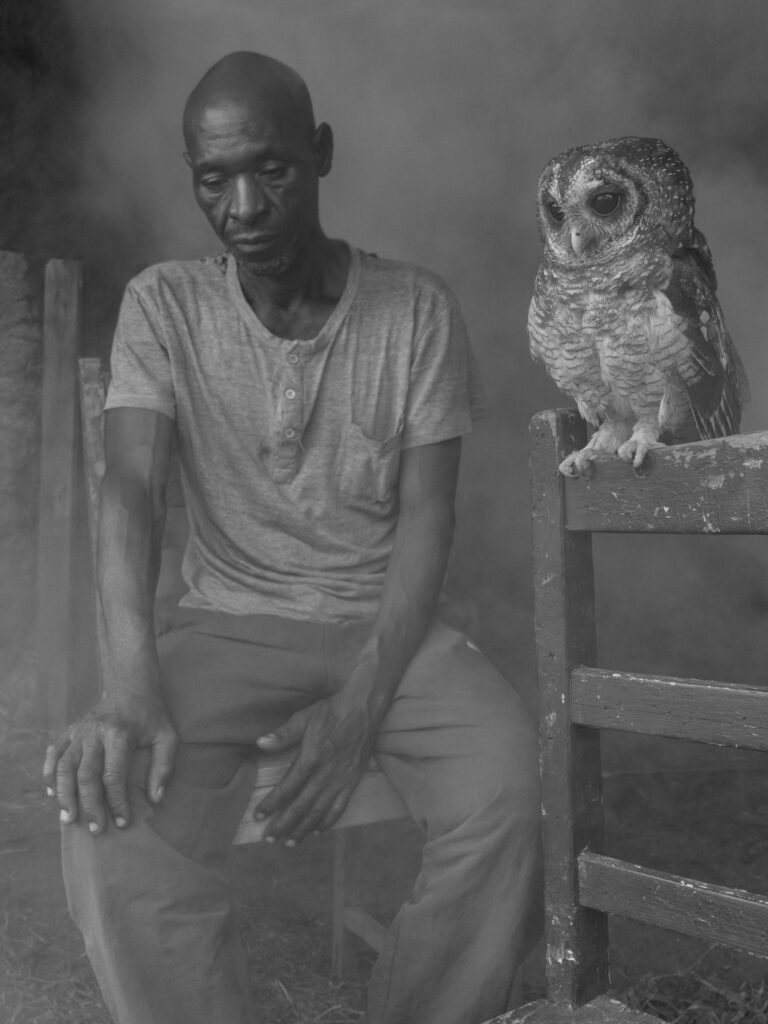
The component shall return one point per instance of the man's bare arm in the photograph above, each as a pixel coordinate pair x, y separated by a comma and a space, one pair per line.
90, 761
337, 735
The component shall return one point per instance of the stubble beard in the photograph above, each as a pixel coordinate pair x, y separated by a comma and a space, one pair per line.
276, 265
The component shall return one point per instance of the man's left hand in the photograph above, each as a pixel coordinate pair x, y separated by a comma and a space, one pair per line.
335, 743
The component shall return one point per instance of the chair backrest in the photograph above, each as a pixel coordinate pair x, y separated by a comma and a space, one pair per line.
710, 487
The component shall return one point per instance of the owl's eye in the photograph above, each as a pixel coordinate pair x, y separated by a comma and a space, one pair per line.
555, 212
605, 203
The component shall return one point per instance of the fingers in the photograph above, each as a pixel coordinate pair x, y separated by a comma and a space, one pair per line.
66, 783
88, 773
335, 811
90, 788
287, 790
52, 754
287, 735
314, 807
164, 749
115, 778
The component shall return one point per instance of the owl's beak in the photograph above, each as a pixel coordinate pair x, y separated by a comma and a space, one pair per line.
580, 239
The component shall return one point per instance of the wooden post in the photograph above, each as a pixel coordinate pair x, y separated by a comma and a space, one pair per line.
58, 499
577, 937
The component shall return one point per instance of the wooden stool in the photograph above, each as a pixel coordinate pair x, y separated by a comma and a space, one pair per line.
709, 487
374, 800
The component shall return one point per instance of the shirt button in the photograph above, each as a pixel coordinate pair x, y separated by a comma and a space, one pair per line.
290, 393
290, 433
293, 359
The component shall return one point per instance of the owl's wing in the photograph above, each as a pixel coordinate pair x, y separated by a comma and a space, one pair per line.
710, 368
539, 314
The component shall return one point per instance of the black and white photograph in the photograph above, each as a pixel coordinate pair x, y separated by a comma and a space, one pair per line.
383, 512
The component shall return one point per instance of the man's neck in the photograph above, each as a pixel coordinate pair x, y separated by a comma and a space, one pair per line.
297, 303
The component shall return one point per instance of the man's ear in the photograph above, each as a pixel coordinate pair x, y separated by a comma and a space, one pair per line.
322, 143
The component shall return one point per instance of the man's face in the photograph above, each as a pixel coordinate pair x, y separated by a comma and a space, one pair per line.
255, 176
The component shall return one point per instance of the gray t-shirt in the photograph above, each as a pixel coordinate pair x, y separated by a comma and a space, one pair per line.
290, 449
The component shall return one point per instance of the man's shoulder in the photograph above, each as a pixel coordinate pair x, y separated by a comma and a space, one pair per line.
179, 276
412, 281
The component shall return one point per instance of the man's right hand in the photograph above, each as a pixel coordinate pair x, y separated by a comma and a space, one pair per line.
86, 768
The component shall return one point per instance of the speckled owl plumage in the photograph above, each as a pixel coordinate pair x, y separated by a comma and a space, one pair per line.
624, 314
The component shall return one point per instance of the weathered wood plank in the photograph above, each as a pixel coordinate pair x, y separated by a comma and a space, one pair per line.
577, 938
731, 917
724, 714
58, 471
21, 354
602, 1010
718, 486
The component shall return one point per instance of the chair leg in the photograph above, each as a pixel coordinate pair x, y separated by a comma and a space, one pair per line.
346, 893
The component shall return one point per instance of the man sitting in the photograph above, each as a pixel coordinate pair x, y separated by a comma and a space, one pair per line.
317, 395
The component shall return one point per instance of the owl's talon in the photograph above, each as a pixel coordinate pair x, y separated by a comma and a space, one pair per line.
577, 464
635, 450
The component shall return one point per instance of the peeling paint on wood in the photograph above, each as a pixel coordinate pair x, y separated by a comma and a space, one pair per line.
723, 714
708, 487
577, 938
716, 486
732, 917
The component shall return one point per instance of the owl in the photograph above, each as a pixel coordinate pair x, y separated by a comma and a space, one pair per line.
624, 313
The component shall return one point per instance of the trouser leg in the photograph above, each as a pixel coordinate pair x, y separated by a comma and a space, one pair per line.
461, 749
154, 913
153, 910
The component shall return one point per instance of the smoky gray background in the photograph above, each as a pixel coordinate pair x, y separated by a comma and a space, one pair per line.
444, 114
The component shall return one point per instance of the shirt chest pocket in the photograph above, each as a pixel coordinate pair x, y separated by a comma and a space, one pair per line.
368, 468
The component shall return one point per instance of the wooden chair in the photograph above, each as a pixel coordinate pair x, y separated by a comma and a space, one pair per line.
710, 487
374, 800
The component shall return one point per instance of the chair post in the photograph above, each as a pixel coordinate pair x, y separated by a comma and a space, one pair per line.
57, 538
577, 937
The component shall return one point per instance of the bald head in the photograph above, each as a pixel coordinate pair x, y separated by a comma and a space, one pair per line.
250, 80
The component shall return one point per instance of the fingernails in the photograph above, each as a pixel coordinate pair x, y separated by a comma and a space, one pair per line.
260, 817
65, 817
269, 839
159, 794
120, 822
290, 842
93, 827
49, 791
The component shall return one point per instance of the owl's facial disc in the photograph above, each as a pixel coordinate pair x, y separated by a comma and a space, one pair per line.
594, 220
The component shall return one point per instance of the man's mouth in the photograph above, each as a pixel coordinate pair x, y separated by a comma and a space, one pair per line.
252, 241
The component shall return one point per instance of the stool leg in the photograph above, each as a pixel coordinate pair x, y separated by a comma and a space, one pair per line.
346, 893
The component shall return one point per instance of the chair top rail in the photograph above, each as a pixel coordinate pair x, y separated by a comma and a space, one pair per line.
707, 487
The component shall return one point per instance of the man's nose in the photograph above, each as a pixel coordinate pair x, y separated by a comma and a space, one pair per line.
248, 199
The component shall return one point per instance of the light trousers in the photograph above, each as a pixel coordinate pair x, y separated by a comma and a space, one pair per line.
457, 744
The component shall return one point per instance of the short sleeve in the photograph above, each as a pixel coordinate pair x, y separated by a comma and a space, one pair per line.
445, 395
141, 371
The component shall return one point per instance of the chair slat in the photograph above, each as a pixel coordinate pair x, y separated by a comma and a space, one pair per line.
723, 714
731, 917
718, 486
